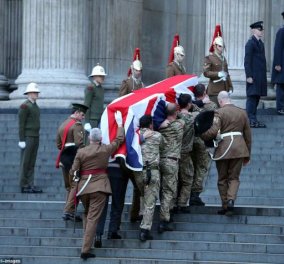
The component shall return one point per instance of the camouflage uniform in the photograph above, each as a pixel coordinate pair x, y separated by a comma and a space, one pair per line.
185, 164
170, 156
151, 153
200, 157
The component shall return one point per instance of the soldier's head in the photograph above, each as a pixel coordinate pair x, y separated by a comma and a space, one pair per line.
224, 98
95, 135
199, 91
185, 101
257, 29
218, 45
136, 69
32, 91
79, 111
146, 121
98, 74
171, 111
179, 54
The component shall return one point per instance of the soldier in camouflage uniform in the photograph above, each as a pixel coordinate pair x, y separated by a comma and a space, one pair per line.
200, 157
29, 126
185, 162
172, 130
150, 148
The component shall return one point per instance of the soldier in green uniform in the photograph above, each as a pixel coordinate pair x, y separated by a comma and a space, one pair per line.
150, 175
94, 97
185, 162
29, 126
172, 130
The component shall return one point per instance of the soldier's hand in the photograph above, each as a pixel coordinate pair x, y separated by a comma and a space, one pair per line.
87, 127
165, 123
148, 133
22, 144
278, 68
118, 118
249, 80
222, 74
206, 99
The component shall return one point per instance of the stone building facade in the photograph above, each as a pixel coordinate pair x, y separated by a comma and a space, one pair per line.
57, 42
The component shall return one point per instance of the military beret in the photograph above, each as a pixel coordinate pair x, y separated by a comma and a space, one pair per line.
258, 25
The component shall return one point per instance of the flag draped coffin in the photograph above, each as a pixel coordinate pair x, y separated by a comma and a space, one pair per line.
151, 100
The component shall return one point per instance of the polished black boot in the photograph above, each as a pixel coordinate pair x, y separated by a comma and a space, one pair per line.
85, 256
165, 226
98, 242
113, 235
145, 235
195, 199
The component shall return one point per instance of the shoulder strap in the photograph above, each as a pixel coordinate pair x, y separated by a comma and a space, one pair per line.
65, 132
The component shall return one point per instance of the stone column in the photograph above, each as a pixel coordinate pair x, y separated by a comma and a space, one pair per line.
114, 33
54, 46
3, 80
235, 18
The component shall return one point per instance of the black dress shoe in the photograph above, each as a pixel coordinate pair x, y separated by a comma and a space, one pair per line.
113, 235
31, 189
222, 211
98, 242
85, 256
72, 217
145, 235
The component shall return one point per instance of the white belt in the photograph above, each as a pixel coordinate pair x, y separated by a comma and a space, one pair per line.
84, 186
69, 145
229, 134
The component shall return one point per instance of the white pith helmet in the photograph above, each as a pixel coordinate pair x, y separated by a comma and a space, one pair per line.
98, 71
32, 88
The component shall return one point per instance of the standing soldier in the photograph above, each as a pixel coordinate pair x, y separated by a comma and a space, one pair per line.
216, 68
185, 162
69, 138
177, 54
172, 130
91, 163
151, 175
134, 80
94, 97
231, 126
29, 126
277, 76
255, 68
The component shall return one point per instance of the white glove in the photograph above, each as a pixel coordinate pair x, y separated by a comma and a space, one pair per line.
222, 74
118, 118
87, 127
22, 144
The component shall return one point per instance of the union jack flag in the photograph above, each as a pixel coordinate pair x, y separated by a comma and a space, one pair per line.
151, 100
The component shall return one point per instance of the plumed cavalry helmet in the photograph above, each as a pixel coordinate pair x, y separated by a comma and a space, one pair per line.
32, 88
218, 41
179, 50
98, 71
137, 65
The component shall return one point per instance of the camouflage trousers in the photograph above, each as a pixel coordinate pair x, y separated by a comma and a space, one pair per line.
169, 178
201, 162
185, 179
151, 195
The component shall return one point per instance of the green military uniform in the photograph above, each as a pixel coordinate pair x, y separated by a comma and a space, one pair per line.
129, 85
169, 164
29, 126
94, 99
151, 153
185, 163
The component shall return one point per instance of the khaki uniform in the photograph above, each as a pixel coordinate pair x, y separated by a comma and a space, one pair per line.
213, 65
151, 152
174, 69
75, 135
169, 165
93, 196
29, 126
230, 119
185, 162
129, 85
94, 99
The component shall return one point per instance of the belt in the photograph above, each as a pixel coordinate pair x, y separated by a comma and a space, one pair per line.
229, 134
173, 158
93, 171
154, 167
69, 145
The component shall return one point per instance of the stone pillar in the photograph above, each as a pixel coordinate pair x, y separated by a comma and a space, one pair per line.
114, 33
54, 51
3, 80
235, 18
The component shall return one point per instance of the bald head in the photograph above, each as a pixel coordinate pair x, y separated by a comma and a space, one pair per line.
224, 98
171, 109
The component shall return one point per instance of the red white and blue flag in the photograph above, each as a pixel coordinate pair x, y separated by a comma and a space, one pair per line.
151, 100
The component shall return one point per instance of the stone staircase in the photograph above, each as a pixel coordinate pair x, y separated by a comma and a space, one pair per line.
31, 229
